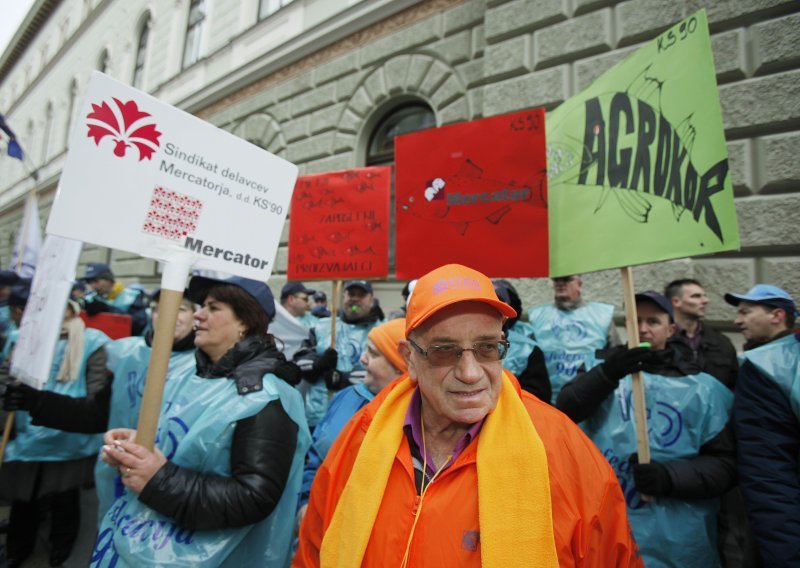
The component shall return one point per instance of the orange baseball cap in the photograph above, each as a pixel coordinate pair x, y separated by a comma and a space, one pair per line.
448, 285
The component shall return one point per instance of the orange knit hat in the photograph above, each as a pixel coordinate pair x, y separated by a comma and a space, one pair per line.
447, 285
386, 337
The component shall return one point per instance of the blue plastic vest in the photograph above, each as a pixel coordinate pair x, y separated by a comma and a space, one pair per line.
350, 342
7, 325
122, 302
196, 432
11, 339
683, 414
40, 444
568, 337
343, 405
128, 359
779, 360
520, 336
307, 320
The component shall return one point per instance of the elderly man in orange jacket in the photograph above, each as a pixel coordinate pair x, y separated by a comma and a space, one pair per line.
453, 465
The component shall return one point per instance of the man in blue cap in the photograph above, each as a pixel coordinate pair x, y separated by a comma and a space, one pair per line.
109, 295
764, 314
767, 420
296, 299
691, 445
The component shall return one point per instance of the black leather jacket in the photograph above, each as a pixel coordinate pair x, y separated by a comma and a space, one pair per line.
715, 356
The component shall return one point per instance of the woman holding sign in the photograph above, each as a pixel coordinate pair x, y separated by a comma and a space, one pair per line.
221, 487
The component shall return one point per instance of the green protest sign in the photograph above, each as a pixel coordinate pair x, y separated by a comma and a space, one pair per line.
637, 163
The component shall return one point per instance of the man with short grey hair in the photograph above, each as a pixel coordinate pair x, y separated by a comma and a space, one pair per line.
570, 329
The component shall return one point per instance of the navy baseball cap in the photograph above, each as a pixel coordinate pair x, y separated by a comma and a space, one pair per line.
19, 293
95, 270
319, 296
766, 294
659, 300
363, 284
200, 285
291, 288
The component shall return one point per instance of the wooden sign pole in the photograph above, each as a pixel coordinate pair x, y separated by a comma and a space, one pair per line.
337, 290
639, 406
169, 302
6, 435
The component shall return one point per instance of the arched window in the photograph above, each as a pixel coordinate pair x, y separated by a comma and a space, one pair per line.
102, 62
402, 119
141, 54
406, 118
194, 29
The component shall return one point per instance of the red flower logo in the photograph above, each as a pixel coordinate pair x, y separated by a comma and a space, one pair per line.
126, 124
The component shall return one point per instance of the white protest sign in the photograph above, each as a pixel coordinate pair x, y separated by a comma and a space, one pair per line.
145, 177
44, 312
289, 330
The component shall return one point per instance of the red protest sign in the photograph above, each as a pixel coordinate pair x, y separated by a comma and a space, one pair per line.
339, 225
473, 193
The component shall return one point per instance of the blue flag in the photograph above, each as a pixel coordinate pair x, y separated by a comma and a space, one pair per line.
14, 149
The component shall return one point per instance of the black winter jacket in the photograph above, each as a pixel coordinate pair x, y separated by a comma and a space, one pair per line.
709, 474
715, 356
768, 440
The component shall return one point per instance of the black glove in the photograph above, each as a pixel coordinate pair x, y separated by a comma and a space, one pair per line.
651, 478
19, 396
96, 307
337, 380
623, 361
289, 372
327, 361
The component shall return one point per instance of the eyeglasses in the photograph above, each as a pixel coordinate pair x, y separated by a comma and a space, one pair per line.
448, 355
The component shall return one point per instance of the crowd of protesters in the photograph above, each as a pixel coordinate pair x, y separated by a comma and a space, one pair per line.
292, 435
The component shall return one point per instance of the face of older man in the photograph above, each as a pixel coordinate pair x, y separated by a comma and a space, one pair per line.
567, 289
464, 393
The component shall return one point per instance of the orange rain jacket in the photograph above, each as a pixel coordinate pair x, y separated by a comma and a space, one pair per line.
589, 517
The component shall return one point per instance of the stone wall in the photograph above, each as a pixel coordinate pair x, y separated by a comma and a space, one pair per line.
487, 57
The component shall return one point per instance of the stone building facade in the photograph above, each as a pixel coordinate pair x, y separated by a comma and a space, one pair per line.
315, 81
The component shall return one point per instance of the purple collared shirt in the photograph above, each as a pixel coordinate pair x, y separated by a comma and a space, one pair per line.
413, 426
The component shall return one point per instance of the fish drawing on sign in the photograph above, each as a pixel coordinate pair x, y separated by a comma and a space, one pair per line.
467, 197
319, 252
306, 239
632, 153
372, 225
338, 236
355, 249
